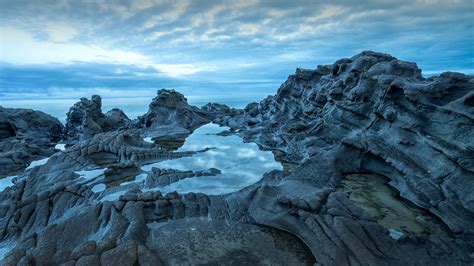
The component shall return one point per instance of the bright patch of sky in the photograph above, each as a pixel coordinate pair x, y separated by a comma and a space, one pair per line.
60, 49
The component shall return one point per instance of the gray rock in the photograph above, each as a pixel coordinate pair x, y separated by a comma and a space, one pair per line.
85, 119
25, 136
91, 260
125, 254
391, 103
86, 248
171, 108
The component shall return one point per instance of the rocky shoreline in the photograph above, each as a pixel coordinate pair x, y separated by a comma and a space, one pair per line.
336, 129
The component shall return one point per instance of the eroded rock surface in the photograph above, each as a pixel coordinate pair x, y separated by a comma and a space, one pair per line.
370, 115
85, 119
380, 115
25, 136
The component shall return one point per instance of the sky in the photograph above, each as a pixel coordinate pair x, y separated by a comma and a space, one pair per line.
213, 49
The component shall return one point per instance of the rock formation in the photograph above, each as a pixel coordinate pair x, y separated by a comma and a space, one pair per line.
25, 135
85, 119
363, 118
170, 109
381, 116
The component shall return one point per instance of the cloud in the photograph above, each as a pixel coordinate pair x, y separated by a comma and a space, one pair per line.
19, 47
60, 32
171, 13
225, 42
246, 153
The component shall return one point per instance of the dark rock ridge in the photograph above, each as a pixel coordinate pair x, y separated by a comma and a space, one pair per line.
215, 110
370, 115
25, 135
379, 115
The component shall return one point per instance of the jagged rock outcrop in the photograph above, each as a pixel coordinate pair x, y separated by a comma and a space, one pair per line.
118, 116
170, 109
85, 119
25, 135
373, 115
416, 131
217, 111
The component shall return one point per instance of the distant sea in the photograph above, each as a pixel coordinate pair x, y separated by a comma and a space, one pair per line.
133, 106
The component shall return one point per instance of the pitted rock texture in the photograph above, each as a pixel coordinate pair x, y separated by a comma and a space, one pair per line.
371, 114
85, 119
25, 135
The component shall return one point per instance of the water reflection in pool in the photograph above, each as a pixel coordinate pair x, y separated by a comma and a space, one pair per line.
241, 164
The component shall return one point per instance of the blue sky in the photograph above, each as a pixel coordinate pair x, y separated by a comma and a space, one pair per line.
247, 48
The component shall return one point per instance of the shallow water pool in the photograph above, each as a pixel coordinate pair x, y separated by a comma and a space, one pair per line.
241, 164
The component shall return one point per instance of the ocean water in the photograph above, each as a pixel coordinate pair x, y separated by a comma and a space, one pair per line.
133, 107
134, 102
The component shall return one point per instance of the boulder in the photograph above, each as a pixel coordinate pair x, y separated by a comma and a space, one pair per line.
25, 135
171, 109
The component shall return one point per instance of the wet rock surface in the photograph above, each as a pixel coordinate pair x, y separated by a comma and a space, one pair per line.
337, 128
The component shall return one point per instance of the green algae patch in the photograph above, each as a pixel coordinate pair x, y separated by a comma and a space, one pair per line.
372, 193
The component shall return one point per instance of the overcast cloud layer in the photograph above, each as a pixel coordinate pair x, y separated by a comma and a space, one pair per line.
221, 47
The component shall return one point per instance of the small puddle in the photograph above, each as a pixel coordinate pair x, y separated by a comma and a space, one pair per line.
33, 164
90, 174
6, 182
372, 193
60, 146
